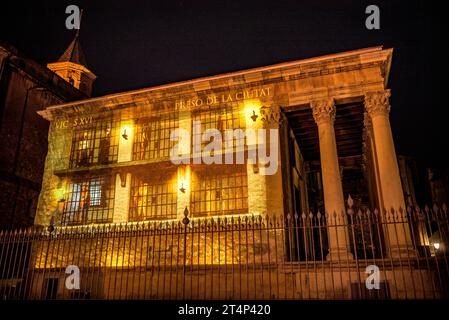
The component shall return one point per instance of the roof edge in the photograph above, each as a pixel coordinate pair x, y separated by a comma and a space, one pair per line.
224, 75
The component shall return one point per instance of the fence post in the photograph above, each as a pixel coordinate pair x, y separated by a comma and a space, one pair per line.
185, 221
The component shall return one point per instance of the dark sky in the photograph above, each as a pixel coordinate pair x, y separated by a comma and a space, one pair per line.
135, 44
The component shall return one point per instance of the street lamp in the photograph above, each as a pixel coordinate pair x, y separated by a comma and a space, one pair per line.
435, 242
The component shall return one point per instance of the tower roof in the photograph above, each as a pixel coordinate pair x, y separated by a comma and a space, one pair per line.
74, 53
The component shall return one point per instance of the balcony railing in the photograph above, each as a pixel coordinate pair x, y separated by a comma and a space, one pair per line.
246, 257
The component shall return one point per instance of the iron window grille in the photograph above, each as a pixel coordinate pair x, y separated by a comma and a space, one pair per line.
219, 191
153, 197
228, 117
152, 138
89, 201
95, 144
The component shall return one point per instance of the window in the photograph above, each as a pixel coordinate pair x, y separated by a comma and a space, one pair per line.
153, 196
152, 139
95, 192
95, 144
221, 119
219, 190
89, 201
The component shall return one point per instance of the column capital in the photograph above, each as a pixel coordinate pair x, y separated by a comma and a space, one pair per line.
323, 110
377, 103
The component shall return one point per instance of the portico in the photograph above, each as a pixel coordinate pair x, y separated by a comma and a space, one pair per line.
358, 147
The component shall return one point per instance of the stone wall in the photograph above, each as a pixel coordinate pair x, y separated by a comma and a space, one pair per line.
25, 88
240, 282
166, 246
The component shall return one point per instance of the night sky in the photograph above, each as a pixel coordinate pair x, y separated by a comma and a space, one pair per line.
137, 44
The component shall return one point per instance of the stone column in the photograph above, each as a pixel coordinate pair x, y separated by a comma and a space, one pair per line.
397, 234
373, 160
324, 115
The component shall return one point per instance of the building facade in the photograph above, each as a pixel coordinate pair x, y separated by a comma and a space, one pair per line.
141, 195
109, 157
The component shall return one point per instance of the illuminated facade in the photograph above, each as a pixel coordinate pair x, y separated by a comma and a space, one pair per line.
109, 157
146, 204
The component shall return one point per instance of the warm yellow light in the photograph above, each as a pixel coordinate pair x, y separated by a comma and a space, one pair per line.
184, 178
126, 132
59, 193
436, 245
251, 109
183, 147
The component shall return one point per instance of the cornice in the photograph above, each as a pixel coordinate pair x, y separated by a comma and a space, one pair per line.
288, 71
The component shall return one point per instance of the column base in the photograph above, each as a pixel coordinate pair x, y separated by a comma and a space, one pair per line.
339, 254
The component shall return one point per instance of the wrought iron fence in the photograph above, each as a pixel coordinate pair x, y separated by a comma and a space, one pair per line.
244, 257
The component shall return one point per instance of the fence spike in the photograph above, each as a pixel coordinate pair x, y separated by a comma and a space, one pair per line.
435, 207
334, 214
350, 201
270, 221
175, 228
310, 215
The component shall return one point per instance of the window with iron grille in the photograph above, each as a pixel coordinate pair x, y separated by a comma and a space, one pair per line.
95, 144
89, 201
152, 138
227, 117
153, 196
220, 190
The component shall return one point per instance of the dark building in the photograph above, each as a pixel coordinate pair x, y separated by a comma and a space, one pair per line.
25, 88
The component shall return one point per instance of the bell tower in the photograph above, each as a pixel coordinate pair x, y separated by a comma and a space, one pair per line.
72, 67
